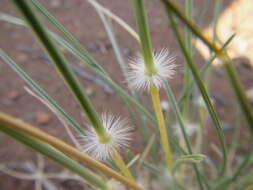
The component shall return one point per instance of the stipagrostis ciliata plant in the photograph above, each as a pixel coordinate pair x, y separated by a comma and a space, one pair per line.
98, 157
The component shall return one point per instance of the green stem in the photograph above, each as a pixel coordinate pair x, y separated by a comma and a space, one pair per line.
55, 155
187, 76
201, 87
203, 70
61, 64
41, 92
17, 125
66, 33
237, 172
230, 70
93, 66
142, 24
176, 111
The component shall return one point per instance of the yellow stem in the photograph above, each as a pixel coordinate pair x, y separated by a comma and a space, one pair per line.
16, 124
162, 128
122, 166
182, 167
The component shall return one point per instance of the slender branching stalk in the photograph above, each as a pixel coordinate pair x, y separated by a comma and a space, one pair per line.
53, 154
122, 166
65, 71
161, 124
222, 55
202, 89
62, 66
114, 17
150, 70
13, 123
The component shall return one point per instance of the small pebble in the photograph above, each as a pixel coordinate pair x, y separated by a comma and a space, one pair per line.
55, 4
250, 94
90, 91
42, 118
22, 57
13, 95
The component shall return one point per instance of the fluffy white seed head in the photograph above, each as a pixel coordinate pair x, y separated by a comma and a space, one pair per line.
120, 132
164, 64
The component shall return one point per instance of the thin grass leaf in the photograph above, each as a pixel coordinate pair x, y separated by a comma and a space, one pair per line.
176, 111
41, 92
201, 87
225, 182
56, 156
61, 64
122, 93
110, 32
190, 158
107, 79
117, 19
144, 34
67, 35
229, 68
187, 74
150, 70
18, 125
203, 70
217, 11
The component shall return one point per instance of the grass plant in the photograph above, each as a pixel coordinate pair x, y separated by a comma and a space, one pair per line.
173, 158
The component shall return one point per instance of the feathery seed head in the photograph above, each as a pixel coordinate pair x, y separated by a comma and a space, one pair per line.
119, 132
138, 77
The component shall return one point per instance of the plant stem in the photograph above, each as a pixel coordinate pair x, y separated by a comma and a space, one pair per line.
141, 19
18, 125
41, 92
61, 65
222, 54
176, 111
162, 128
122, 166
202, 89
187, 73
57, 156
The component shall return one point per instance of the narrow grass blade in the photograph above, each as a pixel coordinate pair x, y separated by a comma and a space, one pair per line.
203, 70
89, 62
16, 124
41, 92
225, 182
146, 44
67, 35
60, 63
187, 74
222, 54
56, 156
117, 19
107, 79
176, 111
110, 32
201, 87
